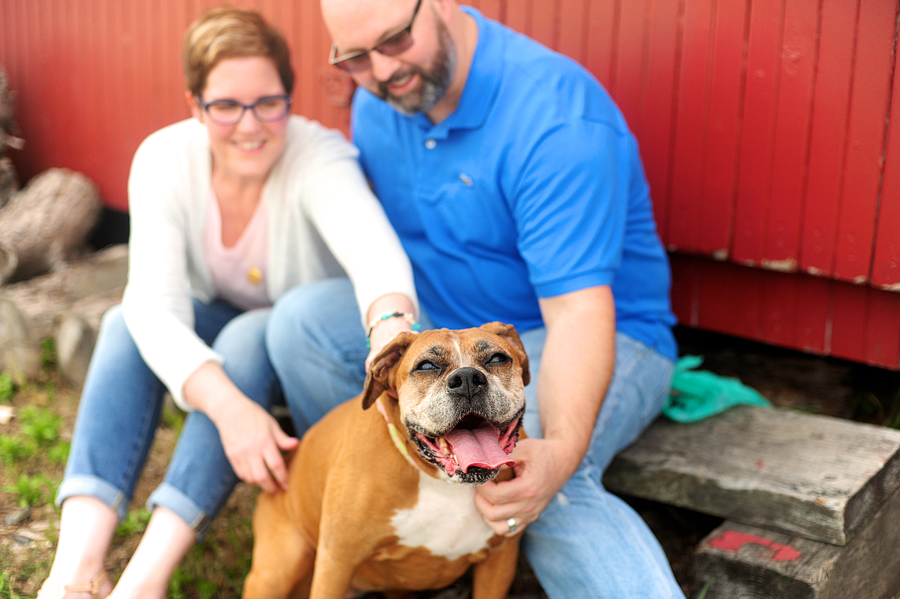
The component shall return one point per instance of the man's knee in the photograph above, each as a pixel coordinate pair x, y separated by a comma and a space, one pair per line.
305, 315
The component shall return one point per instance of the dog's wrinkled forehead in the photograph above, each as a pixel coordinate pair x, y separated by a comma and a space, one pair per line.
454, 349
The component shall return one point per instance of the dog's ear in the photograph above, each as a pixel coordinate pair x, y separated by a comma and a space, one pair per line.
379, 372
509, 332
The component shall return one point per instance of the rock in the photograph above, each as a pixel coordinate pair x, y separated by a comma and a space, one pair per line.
20, 353
17, 517
74, 345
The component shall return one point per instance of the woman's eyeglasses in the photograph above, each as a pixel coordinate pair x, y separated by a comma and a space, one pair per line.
230, 112
396, 43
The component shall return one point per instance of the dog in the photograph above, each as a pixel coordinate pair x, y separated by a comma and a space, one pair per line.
368, 506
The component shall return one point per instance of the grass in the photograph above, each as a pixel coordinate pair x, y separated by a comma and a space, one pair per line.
33, 451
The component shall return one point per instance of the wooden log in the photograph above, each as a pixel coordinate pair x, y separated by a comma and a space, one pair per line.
816, 476
8, 126
746, 562
9, 181
48, 222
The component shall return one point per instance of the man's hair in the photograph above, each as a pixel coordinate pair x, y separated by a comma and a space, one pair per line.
229, 32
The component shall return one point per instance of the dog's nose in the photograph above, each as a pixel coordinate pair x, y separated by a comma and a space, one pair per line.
466, 381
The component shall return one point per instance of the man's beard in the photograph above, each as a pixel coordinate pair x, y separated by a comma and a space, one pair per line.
435, 81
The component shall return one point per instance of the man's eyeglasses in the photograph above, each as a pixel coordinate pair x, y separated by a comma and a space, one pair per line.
396, 43
230, 112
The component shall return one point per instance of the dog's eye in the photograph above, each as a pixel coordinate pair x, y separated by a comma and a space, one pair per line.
498, 359
426, 366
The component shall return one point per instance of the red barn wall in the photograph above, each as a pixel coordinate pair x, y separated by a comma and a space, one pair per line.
765, 127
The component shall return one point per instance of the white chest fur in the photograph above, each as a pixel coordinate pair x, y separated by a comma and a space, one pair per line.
445, 520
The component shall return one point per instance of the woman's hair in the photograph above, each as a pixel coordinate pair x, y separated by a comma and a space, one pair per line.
229, 32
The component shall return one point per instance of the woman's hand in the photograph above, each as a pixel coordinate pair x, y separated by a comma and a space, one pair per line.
542, 468
383, 330
252, 439
253, 442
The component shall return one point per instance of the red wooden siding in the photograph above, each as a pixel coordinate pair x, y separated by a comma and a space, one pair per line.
765, 127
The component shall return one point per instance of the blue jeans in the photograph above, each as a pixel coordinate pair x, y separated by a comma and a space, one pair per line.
588, 543
120, 408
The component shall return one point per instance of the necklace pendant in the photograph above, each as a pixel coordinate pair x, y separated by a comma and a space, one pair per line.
254, 275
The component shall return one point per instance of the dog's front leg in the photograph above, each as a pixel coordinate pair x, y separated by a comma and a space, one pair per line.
492, 577
331, 575
281, 556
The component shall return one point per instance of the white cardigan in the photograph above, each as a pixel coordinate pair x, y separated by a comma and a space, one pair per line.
323, 222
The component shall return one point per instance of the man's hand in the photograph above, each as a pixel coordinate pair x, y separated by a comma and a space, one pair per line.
542, 468
576, 367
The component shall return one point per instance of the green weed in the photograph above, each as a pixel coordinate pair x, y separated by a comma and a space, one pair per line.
48, 353
7, 387
59, 453
135, 522
6, 588
40, 425
14, 449
31, 491
704, 590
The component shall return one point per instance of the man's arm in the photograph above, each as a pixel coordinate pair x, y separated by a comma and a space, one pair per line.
576, 368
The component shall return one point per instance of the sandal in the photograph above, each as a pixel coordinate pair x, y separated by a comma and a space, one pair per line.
92, 587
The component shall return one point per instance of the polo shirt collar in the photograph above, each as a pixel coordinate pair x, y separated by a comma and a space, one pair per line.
481, 86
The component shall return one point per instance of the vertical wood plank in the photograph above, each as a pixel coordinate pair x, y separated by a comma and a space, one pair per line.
791, 143
659, 117
518, 15
600, 39
779, 310
883, 329
684, 289
849, 321
690, 127
831, 102
572, 18
545, 23
812, 327
630, 63
865, 147
886, 261
722, 137
757, 131
729, 299
492, 9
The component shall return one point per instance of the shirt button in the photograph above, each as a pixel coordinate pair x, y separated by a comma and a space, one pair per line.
430, 144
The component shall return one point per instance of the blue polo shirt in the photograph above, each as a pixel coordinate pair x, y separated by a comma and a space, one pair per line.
532, 188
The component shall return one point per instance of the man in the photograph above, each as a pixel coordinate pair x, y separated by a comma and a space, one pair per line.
518, 192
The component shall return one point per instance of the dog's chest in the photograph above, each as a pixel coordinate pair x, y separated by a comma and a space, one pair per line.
444, 520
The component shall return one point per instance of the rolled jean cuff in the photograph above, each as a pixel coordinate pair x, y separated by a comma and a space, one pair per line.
92, 486
182, 506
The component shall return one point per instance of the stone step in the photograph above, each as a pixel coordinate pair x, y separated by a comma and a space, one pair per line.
816, 476
738, 561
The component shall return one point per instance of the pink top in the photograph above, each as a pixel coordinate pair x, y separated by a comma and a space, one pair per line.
238, 272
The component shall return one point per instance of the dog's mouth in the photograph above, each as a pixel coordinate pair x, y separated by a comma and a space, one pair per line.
474, 450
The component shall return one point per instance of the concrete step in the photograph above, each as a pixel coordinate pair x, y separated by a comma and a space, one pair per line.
746, 562
819, 477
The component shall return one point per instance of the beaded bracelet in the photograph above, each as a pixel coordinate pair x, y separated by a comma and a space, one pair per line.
404, 315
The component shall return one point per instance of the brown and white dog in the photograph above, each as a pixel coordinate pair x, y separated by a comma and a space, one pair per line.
368, 505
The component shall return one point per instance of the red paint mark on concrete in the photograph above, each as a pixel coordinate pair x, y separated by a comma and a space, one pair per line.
732, 540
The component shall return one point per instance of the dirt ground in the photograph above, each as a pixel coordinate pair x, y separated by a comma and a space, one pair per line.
216, 568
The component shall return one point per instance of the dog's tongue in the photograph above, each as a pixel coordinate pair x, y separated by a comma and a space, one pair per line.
478, 447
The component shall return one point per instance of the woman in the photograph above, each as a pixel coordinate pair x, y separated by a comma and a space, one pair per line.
229, 210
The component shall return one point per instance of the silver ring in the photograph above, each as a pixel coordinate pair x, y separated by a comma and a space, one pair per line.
512, 524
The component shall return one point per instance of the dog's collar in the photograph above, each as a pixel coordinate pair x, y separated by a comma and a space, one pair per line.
395, 435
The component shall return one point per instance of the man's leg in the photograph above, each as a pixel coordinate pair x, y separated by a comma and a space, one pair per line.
588, 543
